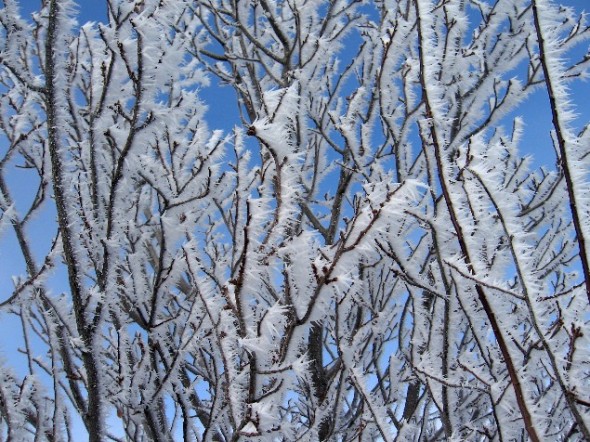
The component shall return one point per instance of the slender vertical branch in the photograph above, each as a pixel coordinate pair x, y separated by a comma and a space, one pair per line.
448, 199
564, 154
94, 413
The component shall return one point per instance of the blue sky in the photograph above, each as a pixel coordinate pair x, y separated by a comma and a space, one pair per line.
536, 142
90, 10
223, 114
536, 112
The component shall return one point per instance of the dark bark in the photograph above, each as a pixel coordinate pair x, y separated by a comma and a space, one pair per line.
93, 418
